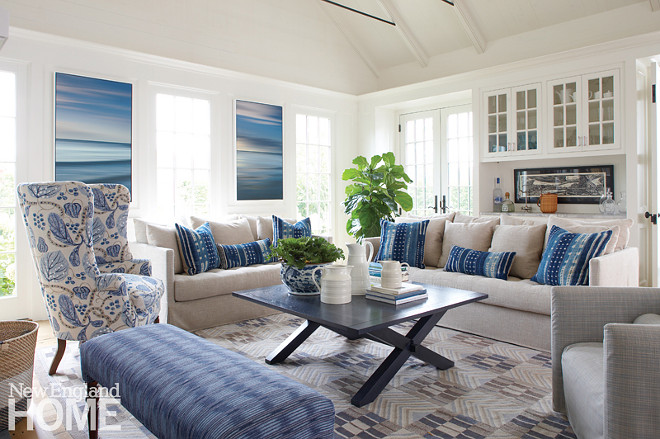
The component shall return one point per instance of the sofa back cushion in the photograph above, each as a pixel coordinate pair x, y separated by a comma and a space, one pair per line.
466, 219
229, 233
403, 242
526, 241
433, 242
475, 235
509, 220
163, 236
265, 227
619, 239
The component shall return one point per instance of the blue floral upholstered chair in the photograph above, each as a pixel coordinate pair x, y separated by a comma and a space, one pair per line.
109, 233
82, 303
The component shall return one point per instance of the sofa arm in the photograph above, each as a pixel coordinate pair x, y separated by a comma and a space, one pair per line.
632, 381
618, 269
162, 263
326, 237
579, 314
375, 241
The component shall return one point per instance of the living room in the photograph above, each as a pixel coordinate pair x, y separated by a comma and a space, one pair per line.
362, 78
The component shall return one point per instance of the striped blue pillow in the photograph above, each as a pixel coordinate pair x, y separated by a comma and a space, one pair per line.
197, 248
403, 242
242, 255
283, 229
566, 257
489, 264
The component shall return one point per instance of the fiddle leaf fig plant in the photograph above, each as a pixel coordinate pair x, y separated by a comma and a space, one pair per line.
376, 192
307, 250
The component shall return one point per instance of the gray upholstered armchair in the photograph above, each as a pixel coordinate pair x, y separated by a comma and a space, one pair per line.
606, 370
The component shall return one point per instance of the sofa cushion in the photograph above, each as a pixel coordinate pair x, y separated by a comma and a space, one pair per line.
510, 220
475, 235
163, 236
243, 255
620, 239
282, 229
464, 219
221, 282
583, 374
433, 242
403, 242
648, 319
514, 293
566, 257
198, 249
488, 264
228, 233
526, 241
265, 227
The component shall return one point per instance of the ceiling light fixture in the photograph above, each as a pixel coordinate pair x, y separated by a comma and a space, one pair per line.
361, 13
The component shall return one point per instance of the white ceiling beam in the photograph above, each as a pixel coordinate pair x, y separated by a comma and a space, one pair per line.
354, 41
655, 5
405, 33
470, 25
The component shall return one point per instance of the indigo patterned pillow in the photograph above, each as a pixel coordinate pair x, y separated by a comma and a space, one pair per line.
403, 242
242, 255
283, 229
566, 256
197, 247
489, 264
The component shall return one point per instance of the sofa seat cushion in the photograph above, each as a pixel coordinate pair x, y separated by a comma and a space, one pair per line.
220, 282
515, 293
582, 367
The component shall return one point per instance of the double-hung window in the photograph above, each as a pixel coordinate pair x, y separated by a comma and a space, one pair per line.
7, 183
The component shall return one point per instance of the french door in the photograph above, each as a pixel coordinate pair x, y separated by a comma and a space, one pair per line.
653, 191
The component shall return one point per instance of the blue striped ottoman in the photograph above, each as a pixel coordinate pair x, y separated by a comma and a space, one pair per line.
182, 386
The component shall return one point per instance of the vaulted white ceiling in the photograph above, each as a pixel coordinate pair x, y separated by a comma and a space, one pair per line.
319, 44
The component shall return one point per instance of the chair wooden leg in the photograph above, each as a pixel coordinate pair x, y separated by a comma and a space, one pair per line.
157, 320
61, 346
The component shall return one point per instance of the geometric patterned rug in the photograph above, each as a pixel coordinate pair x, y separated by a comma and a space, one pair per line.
494, 390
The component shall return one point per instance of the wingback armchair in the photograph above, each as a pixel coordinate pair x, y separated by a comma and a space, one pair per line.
82, 302
109, 231
605, 370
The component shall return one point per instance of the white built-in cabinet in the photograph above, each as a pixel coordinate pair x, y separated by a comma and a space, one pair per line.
512, 121
580, 114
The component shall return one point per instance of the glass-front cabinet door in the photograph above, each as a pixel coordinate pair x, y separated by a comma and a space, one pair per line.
497, 114
601, 92
526, 118
565, 97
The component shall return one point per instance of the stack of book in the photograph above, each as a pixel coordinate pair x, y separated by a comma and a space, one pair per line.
396, 296
375, 269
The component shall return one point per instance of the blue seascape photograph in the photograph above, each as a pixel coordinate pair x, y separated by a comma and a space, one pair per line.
93, 130
259, 163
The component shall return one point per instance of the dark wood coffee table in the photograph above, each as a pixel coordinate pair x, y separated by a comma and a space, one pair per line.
369, 319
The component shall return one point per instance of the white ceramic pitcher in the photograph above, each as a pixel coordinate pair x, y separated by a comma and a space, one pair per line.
335, 284
359, 260
391, 276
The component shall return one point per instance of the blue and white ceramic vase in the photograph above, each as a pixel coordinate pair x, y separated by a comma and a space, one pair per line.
302, 282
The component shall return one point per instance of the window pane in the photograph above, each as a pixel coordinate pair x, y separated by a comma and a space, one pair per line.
324, 131
7, 94
313, 130
7, 184
301, 131
7, 139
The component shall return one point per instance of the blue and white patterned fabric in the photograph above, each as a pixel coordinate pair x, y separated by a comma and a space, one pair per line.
283, 229
179, 385
197, 247
403, 242
82, 303
109, 231
242, 255
488, 264
566, 257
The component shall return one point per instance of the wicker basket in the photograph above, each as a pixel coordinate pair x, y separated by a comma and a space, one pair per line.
18, 339
547, 203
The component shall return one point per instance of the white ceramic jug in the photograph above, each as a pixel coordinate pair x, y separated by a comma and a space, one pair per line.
335, 284
390, 276
359, 260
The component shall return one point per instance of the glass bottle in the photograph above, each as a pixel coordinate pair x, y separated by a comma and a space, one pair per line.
607, 204
507, 205
497, 197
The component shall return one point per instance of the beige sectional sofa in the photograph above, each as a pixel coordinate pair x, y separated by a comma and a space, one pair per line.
517, 310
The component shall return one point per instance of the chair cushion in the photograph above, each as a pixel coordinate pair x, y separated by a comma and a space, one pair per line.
283, 229
198, 249
109, 229
488, 264
475, 235
403, 242
242, 255
566, 258
526, 242
433, 242
584, 388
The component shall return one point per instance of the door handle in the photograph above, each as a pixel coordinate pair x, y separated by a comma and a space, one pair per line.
435, 206
653, 216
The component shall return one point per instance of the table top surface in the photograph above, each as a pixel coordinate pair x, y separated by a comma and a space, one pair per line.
361, 315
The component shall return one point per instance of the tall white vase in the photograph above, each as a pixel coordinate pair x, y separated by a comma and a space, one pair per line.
359, 260
335, 284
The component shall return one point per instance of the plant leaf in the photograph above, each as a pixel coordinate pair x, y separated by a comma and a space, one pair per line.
388, 158
361, 162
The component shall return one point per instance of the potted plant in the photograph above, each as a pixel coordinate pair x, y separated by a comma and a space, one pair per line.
377, 192
300, 258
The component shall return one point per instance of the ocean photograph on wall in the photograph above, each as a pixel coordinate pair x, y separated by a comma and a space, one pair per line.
259, 162
93, 124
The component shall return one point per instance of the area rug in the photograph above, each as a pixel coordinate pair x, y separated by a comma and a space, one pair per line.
495, 389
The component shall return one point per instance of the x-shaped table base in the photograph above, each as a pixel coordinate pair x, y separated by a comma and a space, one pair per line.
404, 346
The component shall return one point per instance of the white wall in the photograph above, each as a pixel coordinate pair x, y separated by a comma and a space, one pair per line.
41, 55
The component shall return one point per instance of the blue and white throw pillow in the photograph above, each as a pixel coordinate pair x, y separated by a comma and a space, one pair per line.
197, 248
566, 257
283, 229
403, 242
242, 255
489, 264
